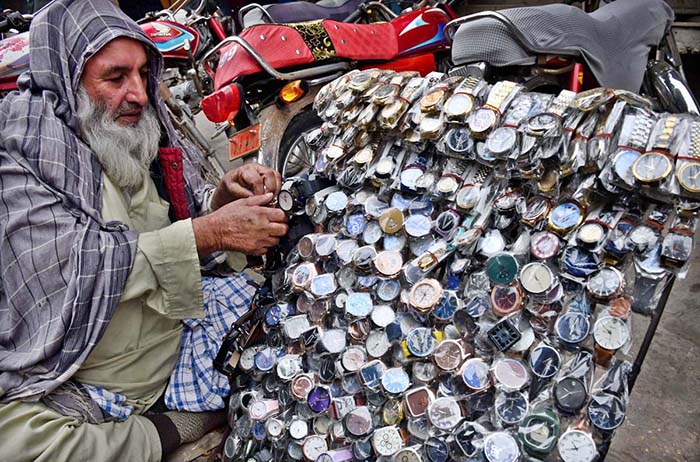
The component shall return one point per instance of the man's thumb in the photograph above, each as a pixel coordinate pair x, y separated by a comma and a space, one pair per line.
262, 199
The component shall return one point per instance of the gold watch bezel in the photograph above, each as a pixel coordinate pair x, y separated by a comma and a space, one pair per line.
657, 179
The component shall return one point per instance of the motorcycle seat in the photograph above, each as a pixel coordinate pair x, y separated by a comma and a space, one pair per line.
302, 44
614, 40
301, 11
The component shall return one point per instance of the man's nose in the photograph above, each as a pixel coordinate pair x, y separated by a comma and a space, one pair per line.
136, 93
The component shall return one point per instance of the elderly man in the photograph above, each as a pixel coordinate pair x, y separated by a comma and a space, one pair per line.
105, 230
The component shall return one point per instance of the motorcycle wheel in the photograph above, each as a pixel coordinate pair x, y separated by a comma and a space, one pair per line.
295, 156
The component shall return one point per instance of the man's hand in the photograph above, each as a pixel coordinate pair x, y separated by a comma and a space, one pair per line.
245, 225
246, 181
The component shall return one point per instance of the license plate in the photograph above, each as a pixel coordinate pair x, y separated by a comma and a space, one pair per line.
245, 142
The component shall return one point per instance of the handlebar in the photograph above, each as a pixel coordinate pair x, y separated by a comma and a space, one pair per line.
15, 20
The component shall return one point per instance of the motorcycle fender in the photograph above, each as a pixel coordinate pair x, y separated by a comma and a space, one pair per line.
274, 121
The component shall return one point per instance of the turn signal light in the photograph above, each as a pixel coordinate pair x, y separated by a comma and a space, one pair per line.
224, 104
293, 91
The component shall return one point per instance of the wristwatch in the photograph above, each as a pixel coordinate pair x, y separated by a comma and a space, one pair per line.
486, 118
461, 103
688, 173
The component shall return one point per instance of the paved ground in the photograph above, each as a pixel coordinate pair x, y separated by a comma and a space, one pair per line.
663, 423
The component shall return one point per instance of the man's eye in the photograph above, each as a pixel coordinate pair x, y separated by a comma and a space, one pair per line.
116, 79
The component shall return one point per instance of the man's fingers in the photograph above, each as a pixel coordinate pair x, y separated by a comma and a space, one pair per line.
271, 182
253, 180
262, 199
239, 191
276, 215
277, 229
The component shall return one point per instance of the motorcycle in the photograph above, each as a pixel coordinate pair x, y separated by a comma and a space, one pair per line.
267, 76
14, 48
559, 46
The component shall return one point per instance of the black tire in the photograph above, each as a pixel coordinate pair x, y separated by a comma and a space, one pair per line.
295, 157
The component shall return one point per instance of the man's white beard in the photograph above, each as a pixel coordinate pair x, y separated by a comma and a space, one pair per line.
125, 152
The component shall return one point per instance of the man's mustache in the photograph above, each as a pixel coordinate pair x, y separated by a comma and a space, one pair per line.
127, 108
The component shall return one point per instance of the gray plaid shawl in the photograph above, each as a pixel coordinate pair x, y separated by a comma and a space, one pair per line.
63, 269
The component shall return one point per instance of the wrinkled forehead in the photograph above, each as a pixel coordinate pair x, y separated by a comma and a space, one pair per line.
120, 54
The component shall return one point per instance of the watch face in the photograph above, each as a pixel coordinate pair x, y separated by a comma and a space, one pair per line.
570, 395
482, 120
580, 262
459, 104
511, 407
478, 305
421, 342
371, 374
392, 412
407, 455
511, 374
444, 413
475, 374
544, 361
448, 355
409, 176
677, 247
501, 141
377, 343
577, 446
431, 99
386, 441
418, 226
372, 233
505, 300
503, 335
314, 446
447, 306
502, 268
394, 242
572, 327
611, 333
536, 278
353, 359
606, 411
355, 225
689, 177
298, 429
396, 380
436, 450
539, 432
544, 245
491, 243
591, 233
652, 167
622, 165
358, 422
606, 283
345, 249
501, 447
388, 262
319, 399
468, 196
323, 285
391, 220
643, 237
285, 201
535, 209
336, 202
565, 216
424, 371
325, 245
388, 290
359, 304
541, 123
425, 294
459, 141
